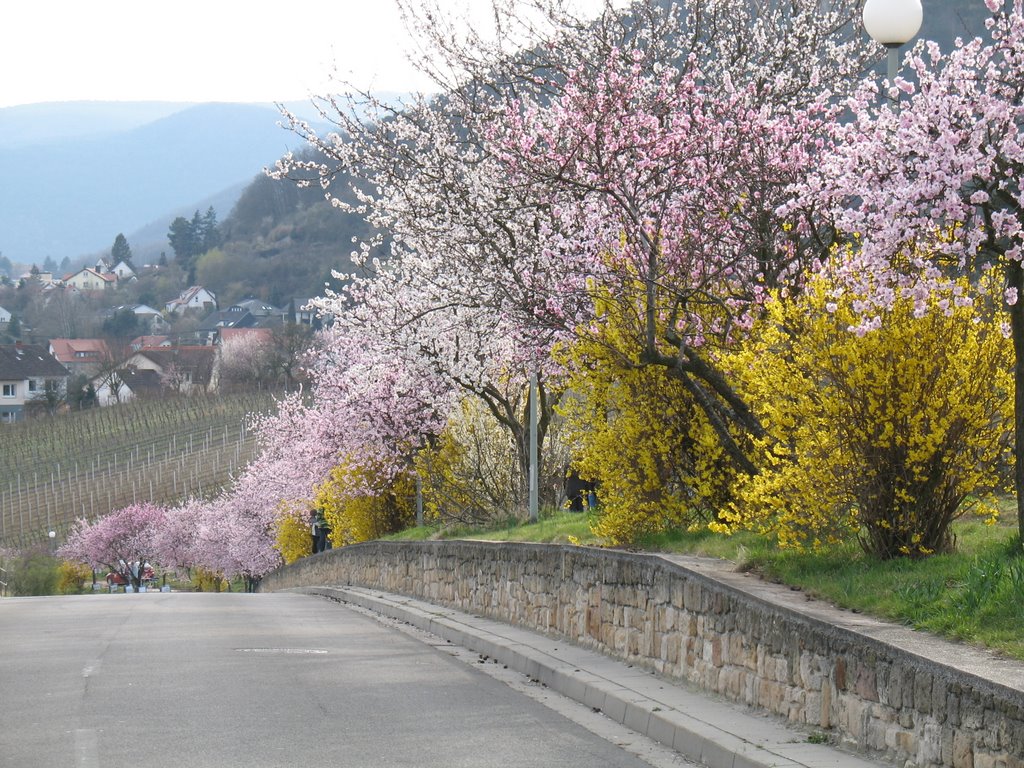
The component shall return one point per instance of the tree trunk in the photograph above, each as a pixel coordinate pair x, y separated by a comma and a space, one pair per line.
1015, 279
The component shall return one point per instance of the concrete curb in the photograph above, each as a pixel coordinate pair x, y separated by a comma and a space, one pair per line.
705, 730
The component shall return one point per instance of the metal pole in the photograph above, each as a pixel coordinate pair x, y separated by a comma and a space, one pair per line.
419, 502
894, 63
533, 448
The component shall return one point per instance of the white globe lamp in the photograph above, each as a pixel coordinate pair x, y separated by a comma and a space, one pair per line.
892, 23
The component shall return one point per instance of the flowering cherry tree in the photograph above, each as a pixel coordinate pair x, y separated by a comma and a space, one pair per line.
671, 189
490, 238
123, 541
937, 174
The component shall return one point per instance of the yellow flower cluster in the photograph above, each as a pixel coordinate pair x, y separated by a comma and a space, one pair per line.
359, 505
292, 531
637, 433
887, 435
471, 472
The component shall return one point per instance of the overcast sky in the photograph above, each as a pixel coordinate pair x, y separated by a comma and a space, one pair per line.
198, 50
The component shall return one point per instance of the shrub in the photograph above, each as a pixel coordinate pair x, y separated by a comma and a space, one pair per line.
639, 436
292, 532
889, 435
32, 572
207, 581
471, 474
360, 504
72, 577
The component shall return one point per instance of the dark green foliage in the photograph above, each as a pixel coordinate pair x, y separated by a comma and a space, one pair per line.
191, 239
121, 251
81, 393
123, 324
32, 572
182, 239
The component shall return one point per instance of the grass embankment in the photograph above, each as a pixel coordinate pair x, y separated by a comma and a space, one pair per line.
975, 595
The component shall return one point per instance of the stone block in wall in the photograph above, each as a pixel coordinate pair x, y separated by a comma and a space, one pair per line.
963, 750
671, 645
692, 597
972, 713
923, 692
866, 687
939, 695
677, 592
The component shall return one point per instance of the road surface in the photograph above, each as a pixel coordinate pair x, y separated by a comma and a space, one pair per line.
179, 680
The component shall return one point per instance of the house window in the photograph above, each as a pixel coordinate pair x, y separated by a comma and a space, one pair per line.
32, 385
8, 417
10, 390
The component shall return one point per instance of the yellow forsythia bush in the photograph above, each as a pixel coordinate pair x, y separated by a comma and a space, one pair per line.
207, 581
637, 434
72, 577
359, 506
292, 532
889, 435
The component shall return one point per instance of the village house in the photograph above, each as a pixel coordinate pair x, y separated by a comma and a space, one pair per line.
151, 317
123, 271
126, 384
80, 356
144, 342
195, 297
248, 313
183, 369
27, 373
88, 279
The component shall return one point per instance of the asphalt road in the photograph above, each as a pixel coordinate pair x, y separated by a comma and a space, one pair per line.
228, 680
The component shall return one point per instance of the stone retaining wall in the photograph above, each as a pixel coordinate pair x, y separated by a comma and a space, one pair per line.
901, 695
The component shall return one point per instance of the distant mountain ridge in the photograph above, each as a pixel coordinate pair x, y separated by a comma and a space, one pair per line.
72, 193
40, 124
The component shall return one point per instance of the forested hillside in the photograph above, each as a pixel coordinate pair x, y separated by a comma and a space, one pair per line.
281, 240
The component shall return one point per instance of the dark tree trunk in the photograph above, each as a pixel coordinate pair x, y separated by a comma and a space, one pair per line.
1015, 279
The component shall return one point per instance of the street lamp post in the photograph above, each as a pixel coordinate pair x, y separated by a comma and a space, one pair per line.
534, 457
893, 23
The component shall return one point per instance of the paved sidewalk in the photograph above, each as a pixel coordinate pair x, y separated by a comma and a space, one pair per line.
703, 729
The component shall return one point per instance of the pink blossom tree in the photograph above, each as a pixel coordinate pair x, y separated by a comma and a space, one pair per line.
672, 188
485, 238
124, 541
926, 177
245, 360
365, 409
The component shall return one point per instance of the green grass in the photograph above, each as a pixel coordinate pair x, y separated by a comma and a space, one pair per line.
551, 528
975, 595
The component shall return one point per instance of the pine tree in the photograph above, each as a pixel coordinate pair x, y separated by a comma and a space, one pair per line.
121, 251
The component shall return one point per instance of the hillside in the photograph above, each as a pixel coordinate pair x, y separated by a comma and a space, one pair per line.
280, 241
87, 463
